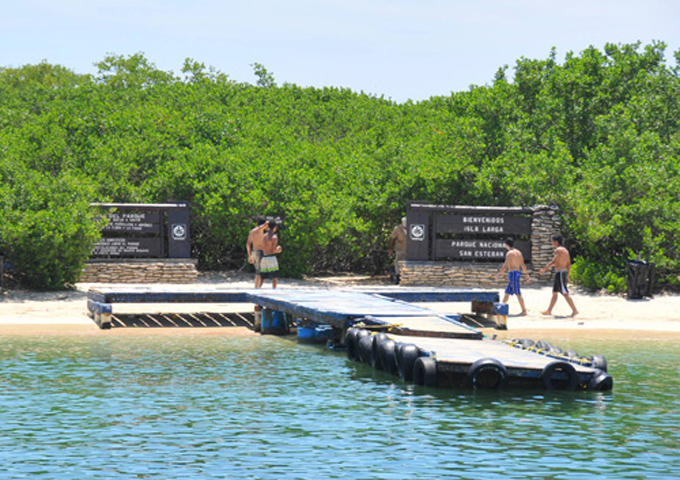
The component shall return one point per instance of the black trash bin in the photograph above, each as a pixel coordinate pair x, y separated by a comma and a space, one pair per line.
640, 279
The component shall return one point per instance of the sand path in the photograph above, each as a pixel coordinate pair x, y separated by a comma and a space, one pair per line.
65, 312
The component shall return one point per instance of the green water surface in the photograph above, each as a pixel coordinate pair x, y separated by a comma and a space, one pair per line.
120, 407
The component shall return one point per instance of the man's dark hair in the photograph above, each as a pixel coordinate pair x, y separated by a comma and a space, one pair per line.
509, 242
557, 238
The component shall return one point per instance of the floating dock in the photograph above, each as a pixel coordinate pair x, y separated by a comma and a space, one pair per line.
382, 327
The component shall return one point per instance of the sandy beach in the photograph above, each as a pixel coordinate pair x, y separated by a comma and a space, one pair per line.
65, 312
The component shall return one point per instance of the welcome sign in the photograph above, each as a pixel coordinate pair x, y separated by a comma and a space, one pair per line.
466, 233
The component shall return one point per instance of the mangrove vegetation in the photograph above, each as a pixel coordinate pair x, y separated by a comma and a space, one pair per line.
595, 133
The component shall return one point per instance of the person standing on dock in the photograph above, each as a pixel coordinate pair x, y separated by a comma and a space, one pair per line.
397, 245
514, 264
269, 266
562, 263
254, 245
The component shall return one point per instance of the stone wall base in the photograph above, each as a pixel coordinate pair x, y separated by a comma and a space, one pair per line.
141, 271
459, 274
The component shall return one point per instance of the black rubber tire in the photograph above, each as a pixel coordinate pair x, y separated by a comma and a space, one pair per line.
527, 342
361, 333
571, 354
601, 381
406, 358
366, 349
555, 350
543, 345
599, 362
425, 372
380, 337
487, 373
551, 383
386, 356
351, 344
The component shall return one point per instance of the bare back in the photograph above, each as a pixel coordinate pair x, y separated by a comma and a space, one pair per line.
270, 243
514, 260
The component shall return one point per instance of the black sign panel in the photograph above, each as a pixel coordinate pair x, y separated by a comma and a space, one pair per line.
128, 247
134, 222
473, 249
484, 224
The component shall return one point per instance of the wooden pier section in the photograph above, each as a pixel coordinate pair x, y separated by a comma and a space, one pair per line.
379, 326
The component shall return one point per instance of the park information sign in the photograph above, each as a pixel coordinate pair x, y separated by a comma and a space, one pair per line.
128, 247
466, 233
144, 231
138, 222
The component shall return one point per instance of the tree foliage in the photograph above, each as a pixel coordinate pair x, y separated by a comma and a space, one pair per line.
596, 135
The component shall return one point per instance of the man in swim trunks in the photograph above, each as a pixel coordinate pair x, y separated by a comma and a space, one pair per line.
254, 247
562, 263
269, 266
514, 264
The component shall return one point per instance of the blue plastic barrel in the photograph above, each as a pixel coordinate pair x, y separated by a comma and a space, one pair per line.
274, 323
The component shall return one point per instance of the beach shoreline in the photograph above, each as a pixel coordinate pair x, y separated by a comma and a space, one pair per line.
64, 312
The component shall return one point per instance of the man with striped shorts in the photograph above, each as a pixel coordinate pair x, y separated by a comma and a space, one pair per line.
562, 263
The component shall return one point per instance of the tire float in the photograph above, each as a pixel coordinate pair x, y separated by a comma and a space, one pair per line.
559, 375
350, 343
406, 354
405, 359
386, 356
425, 372
546, 348
378, 339
598, 362
366, 349
571, 355
487, 373
601, 381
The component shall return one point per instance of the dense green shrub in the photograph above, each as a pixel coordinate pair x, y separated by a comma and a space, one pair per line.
597, 135
596, 275
48, 229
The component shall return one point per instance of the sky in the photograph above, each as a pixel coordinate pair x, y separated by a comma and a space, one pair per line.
398, 49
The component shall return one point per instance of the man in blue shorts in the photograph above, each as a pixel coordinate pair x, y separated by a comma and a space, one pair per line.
514, 264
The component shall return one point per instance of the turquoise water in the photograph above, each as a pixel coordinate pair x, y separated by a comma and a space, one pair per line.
195, 407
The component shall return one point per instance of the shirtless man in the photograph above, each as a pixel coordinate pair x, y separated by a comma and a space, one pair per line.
562, 263
254, 245
514, 264
397, 244
269, 266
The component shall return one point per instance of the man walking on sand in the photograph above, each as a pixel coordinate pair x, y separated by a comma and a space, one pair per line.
562, 263
514, 264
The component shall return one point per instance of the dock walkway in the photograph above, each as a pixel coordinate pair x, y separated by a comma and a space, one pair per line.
380, 326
